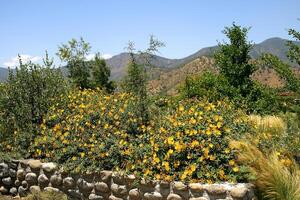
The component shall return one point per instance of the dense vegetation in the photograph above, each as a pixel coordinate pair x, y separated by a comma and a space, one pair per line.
222, 127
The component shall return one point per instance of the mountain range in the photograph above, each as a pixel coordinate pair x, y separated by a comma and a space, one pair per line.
118, 63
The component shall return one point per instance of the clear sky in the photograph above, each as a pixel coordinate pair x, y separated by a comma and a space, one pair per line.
30, 27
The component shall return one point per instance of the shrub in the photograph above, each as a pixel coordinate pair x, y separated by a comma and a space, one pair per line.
25, 98
96, 131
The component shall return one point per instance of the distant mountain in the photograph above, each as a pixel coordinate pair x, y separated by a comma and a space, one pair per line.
118, 63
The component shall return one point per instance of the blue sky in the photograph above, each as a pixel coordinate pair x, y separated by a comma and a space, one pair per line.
32, 26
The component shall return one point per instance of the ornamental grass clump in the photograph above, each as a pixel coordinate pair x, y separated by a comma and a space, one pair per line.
274, 177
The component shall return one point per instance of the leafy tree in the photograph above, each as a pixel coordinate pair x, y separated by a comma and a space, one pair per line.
74, 53
294, 49
26, 97
136, 80
101, 74
233, 59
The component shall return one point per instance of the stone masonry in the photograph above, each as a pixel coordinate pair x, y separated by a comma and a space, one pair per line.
18, 178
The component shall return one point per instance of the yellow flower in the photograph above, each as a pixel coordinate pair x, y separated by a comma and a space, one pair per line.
236, 169
170, 140
181, 108
82, 154
166, 165
231, 162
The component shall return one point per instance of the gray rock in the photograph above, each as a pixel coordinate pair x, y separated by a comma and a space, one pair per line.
3, 170
35, 164
85, 187
7, 181
69, 183
198, 198
112, 197
13, 164
22, 191
95, 197
49, 167
101, 187
24, 184
12, 173
106, 176
179, 186
56, 180
43, 180
134, 194
196, 187
239, 192
17, 183
174, 197
153, 196
75, 194
3, 190
118, 190
13, 191
31, 178
51, 189
34, 189
21, 174
216, 191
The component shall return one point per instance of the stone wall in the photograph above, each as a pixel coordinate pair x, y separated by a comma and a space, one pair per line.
22, 177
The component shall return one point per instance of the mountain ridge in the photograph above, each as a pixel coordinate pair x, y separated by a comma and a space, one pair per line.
118, 63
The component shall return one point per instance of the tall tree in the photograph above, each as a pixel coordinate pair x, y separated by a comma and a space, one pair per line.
233, 59
74, 53
136, 80
101, 74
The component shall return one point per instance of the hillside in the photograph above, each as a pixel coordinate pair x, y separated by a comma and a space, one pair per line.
118, 63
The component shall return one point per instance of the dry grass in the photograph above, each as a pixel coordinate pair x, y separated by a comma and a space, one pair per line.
274, 180
268, 124
39, 196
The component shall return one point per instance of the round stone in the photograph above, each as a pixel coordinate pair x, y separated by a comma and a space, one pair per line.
17, 183
31, 178
43, 180
238, 192
95, 197
34, 164
118, 190
101, 187
84, 187
21, 174
12, 173
179, 186
24, 184
196, 187
13, 191
106, 176
3, 190
216, 189
22, 191
55, 180
3, 170
51, 189
174, 197
153, 196
49, 167
134, 194
34, 189
7, 181
69, 183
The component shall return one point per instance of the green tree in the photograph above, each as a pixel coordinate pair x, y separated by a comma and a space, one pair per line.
233, 59
136, 79
26, 97
294, 49
101, 74
74, 53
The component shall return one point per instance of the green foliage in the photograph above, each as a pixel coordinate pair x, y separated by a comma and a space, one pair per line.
233, 59
294, 49
101, 74
26, 97
95, 131
136, 79
209, 85
74, 53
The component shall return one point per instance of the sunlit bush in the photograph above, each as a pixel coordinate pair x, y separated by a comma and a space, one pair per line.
96, 131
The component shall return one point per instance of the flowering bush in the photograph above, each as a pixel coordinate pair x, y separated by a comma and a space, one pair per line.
94, 131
